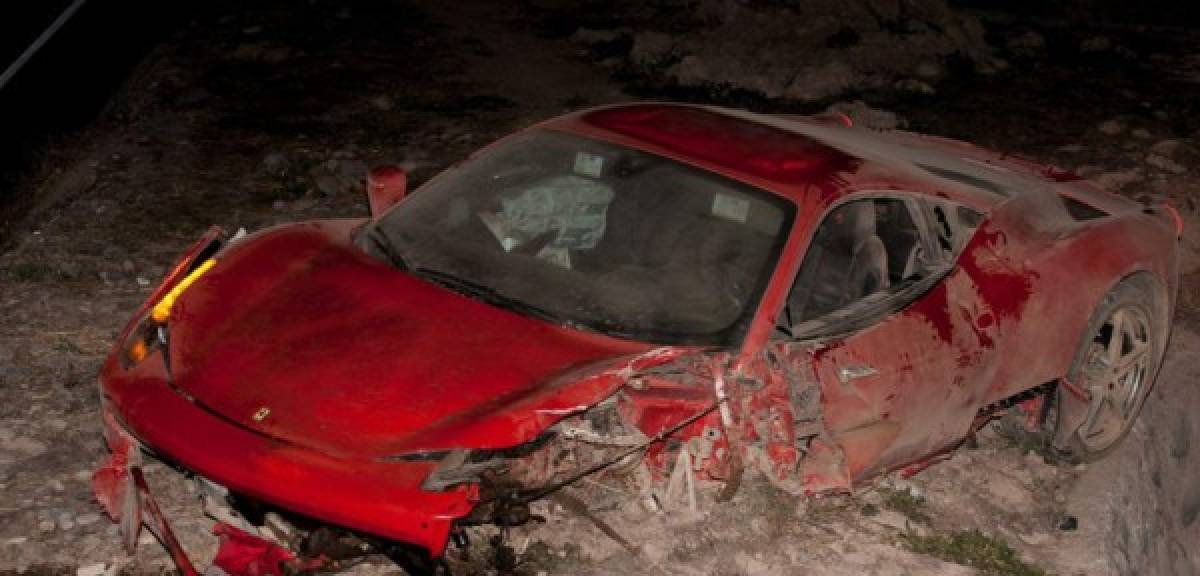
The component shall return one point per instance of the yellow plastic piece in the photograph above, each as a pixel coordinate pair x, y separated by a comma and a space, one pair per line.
162, 310
138, 351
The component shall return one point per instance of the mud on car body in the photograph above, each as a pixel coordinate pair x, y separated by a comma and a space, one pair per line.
668, 295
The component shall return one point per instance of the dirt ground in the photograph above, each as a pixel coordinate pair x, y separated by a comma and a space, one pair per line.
248, 118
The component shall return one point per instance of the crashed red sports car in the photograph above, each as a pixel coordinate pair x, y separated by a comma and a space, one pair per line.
649, 289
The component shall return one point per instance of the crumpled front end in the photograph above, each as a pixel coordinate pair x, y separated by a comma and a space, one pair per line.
314, 441
419, 498
380, 499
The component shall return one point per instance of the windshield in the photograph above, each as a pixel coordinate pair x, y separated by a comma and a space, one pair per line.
594, 235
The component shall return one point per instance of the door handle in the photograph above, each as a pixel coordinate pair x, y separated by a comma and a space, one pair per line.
849, 373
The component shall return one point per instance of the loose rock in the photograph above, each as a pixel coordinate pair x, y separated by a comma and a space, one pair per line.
1028, 43
91, 570
1165, 164
383, 103
929, 70
915, 85
1115, 181
1035, 538
892, 519
1111, 127
327, 184
276, 164
24, 445
592, 36
1166, 148
1008, 491
650, 49
1095, 44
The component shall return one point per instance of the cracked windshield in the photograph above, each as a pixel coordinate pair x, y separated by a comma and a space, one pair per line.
594, 235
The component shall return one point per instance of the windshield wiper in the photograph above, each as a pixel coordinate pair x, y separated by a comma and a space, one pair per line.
381, 241
486, 293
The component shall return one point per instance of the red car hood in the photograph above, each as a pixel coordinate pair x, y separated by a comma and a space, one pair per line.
297, 334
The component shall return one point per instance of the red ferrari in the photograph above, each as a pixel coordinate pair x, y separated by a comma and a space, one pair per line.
645, 289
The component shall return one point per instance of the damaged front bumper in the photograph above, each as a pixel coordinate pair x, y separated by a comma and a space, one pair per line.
381, 499
121, 488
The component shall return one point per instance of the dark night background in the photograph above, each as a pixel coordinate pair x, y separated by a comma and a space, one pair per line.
71, 79
69, 82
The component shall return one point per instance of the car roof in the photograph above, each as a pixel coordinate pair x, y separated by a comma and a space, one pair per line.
809, 158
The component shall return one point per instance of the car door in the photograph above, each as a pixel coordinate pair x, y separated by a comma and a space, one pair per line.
899, 365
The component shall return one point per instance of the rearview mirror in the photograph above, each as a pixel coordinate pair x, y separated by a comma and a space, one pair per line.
386, 185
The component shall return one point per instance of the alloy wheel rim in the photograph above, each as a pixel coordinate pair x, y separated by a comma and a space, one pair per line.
1115, 374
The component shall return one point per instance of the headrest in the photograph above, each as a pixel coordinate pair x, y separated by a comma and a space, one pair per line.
851, 223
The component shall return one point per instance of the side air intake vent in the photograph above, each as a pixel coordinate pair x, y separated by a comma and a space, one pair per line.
1082, 212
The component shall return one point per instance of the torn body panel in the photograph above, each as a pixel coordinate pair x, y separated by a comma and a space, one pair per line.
662, 407
879, 397
112, 483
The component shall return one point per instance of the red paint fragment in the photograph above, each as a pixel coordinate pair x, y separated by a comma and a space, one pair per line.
243, 554
1032, 410
110, 482
1075, 390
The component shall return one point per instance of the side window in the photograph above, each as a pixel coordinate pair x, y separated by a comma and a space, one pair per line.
864, 250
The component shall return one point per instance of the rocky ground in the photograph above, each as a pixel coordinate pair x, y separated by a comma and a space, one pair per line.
247, 118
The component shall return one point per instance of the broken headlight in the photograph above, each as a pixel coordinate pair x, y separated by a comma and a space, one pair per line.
142, 341
150, 332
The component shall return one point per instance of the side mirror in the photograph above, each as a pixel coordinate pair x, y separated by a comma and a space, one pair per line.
386, 185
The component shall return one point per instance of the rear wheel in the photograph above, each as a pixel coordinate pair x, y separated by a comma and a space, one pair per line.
1114, 367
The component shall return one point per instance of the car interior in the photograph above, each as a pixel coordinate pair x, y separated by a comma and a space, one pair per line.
865, 251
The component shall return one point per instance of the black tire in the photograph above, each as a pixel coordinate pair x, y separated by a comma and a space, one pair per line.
1137, 295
